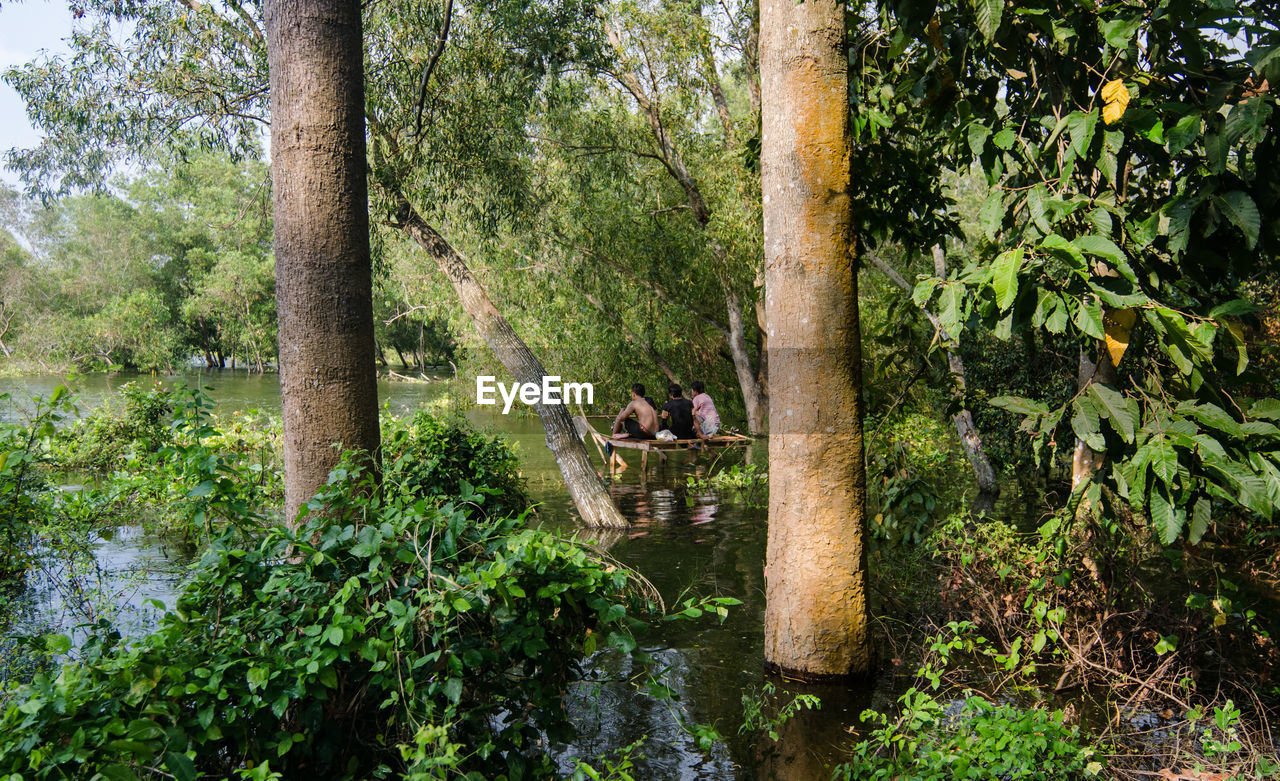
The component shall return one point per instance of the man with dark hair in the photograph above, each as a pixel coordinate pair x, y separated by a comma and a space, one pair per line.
678, 412
645, 423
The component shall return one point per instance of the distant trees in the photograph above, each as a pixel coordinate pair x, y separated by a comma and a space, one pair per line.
177, 264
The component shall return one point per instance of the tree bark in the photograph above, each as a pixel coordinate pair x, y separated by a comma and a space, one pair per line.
324, 299
589, 493
816, 623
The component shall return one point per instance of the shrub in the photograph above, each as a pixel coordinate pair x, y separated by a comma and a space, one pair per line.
386, 632
433, 456
976, 740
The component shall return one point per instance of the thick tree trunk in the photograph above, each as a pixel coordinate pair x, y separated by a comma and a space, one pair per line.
816, 611
324, 299
589, 493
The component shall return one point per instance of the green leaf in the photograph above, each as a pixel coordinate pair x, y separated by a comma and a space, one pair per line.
1234, 308
1183, 134
1004, 139
1106, 249
1163, 458
1240, 209
1085, 424
1019, 405
1200, 517
1268, 409
180, 765
988, 13
1168, 643
1120, 410
1089, 318
1004, 277
1082, 126
204, 489
1166, 518
978, 135
453, 689
1119, 33
992, 214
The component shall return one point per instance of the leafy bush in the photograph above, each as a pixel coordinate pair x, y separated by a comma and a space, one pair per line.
327, 652
977, 740
117, 431
434, 455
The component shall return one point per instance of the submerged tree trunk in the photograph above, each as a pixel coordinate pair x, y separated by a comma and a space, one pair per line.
323, 273
966, 428
589, 493
816, 622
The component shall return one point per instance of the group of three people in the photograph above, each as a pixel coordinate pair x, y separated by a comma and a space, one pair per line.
686, 419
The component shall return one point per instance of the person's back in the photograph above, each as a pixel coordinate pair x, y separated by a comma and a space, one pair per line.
680, 417
704, 409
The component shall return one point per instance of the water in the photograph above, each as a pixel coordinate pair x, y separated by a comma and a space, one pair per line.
684, 541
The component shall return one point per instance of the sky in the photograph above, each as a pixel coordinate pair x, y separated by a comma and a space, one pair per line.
27, 28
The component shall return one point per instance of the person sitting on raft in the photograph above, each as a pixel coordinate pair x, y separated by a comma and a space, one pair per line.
704, 411
645, 423
678, 412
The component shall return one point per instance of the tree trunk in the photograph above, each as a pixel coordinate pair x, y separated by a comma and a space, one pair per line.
1085, 460
752, 395
816, 622
403, 362
966, 429
589, 493
328, 385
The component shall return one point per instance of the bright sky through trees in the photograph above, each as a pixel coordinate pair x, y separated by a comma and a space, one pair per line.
25, 29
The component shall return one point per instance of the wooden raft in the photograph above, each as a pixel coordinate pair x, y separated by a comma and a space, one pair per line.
647, 445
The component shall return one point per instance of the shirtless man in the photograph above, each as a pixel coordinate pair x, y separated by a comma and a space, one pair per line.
645, 424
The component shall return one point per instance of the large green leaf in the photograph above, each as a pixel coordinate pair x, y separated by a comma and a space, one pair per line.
1119, 409
1085, 424
988, 13
1004, 277
1200, 517
1019, 405
1240, 209
1167, 518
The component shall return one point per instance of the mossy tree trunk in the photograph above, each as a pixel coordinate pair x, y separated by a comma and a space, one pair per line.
816, 614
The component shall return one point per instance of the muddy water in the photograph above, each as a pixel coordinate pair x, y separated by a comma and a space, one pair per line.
684, 541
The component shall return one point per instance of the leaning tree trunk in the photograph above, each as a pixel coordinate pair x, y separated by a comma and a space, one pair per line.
324, 298
966, 428
589, 493
816, 603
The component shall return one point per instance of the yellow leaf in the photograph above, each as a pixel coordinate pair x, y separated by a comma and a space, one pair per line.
1117, 324
1116, 98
